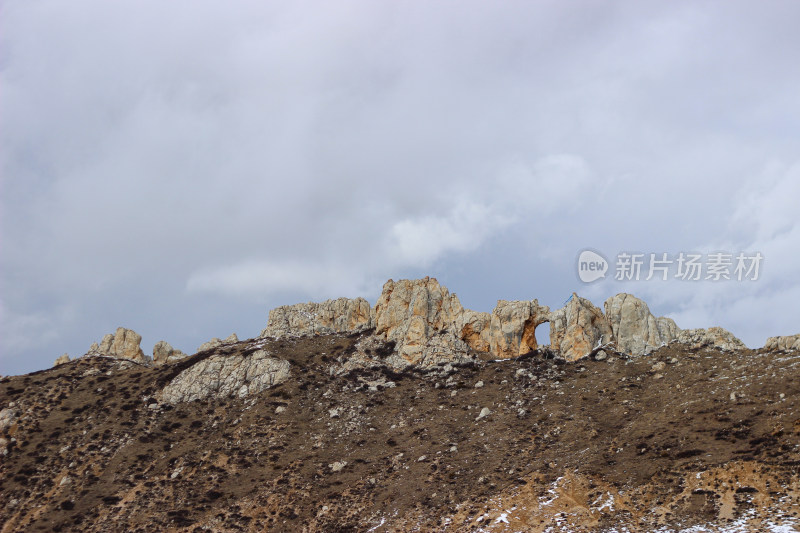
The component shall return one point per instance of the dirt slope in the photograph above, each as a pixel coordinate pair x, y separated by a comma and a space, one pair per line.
673, 440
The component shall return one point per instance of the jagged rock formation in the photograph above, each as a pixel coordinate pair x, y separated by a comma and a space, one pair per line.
213, 343
331, 316
634, 328
716, 337
164, 353
429, 326
412, 314
61, 360
785, 343
578, 328
221, 376
123, 344
509, 331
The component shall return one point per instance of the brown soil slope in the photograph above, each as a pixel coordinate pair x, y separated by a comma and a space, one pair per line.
672, 440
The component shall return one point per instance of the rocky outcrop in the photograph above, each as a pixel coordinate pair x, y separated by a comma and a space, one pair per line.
428, 325
164, 353
785, 343
62, 360
578, 328
213, 343
711, 337
634, 328
509, 331
411, 312
221, 376
123, 344
342, 315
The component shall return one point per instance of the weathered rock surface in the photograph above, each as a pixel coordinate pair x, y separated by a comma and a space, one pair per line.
123, 344
716, 337
786, 343
410, 312
634, 328
341, 315
578, 328
8, 416
164, 353
216, 341
61, 360
429, 326
509, 331
220, 376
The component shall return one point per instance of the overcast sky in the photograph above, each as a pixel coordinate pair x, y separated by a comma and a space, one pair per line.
179, 168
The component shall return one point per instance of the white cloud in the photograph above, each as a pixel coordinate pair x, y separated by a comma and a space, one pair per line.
313, 150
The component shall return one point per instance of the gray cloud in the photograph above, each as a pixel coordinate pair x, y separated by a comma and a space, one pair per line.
180, 168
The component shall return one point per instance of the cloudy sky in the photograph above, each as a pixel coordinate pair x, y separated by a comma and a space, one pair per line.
179, 168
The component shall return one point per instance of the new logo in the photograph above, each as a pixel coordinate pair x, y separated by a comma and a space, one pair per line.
591, 266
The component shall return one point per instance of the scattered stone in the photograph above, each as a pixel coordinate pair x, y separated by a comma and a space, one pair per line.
337, 466
484, 413
658, 367
479, 384
600, 355
280, 409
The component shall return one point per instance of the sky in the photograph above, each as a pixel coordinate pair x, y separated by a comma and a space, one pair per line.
180, 168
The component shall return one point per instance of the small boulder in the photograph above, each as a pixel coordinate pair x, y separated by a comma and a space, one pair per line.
484, 413
62, 360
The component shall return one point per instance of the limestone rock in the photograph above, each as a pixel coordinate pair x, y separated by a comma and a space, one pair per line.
8, 418
164, 353
221, 376
785, 343
442, 348
61, 360
578, 328
509, 331
714, 337
634, 328
410, 312
342, 315
123, 344
216, 341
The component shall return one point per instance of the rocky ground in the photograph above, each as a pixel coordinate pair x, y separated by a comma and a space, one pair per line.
680, 440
